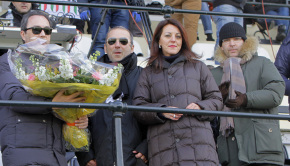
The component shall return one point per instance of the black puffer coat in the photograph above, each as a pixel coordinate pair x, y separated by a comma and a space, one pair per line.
29, 135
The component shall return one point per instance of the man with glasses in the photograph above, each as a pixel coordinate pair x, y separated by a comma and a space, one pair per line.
31, 135
119, 48
248, 83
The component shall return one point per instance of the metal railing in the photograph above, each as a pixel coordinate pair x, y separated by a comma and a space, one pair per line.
120, 108
164, 10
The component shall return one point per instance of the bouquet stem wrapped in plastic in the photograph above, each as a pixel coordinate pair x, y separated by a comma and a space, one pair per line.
44, 69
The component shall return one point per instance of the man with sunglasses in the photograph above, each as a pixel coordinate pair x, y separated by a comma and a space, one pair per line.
31, 135
119, 48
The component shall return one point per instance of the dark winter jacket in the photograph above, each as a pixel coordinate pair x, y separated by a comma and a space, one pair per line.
102, 128
188, 141
257, 140
18, 16
236, 3
282, 63
29, 135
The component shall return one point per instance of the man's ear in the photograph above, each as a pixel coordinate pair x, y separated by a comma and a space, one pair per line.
22, 34
105, 48
132, 48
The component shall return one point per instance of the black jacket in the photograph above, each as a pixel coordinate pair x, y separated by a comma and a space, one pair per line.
18, 16
102, 129
29, 135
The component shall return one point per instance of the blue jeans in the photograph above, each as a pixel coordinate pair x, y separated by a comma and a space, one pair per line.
222, 20
114, 17
282, 11
206, 20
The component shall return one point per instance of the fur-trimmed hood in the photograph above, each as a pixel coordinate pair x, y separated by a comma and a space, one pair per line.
249, 48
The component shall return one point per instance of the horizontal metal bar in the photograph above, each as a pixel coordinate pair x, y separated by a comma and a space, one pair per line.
161, 10
111, 106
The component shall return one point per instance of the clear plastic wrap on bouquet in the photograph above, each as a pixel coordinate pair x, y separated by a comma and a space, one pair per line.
44, 69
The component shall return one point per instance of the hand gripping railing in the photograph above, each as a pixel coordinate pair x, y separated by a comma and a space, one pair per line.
120, 108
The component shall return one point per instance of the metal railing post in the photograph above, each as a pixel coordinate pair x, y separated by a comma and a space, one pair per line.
118, 109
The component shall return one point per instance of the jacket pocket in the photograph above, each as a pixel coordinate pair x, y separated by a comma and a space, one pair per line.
222, 148
267, 138
30, 135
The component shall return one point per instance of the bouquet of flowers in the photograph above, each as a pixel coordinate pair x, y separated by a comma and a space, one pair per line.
44, 69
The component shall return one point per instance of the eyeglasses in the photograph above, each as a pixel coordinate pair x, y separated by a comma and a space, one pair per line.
124, 41
234, 39
37, 30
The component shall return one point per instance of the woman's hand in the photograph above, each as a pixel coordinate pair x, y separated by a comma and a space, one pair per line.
82, 122
172, 116
193, 106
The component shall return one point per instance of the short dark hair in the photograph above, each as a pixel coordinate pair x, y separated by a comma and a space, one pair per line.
26, 16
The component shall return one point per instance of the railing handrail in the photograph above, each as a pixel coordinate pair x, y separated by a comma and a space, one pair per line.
164, 9
122, 107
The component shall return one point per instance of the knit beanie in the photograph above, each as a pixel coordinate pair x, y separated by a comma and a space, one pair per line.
230, 30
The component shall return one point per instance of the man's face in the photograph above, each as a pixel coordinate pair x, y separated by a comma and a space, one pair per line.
22, 7
35, 21
116, 46
232, 46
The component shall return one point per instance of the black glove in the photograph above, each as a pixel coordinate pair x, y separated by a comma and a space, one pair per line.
224, 88
240, 101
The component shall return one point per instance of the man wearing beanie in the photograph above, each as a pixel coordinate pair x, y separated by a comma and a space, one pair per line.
249, 83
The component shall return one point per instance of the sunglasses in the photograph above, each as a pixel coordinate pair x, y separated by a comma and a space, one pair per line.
38, 30
122, 40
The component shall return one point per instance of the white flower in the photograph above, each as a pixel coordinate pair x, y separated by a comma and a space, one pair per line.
86, 67
41, 73
20, 74
65, 69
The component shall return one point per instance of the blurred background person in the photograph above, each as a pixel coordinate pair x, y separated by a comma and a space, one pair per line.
65, 14
282, 63
231, 6
189, 21
114, 17
19, 9
206, 22
283, 25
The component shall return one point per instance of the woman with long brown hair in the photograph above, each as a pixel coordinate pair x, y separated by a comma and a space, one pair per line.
175, 78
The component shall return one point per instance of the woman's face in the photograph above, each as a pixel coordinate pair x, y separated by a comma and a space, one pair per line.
170, 40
